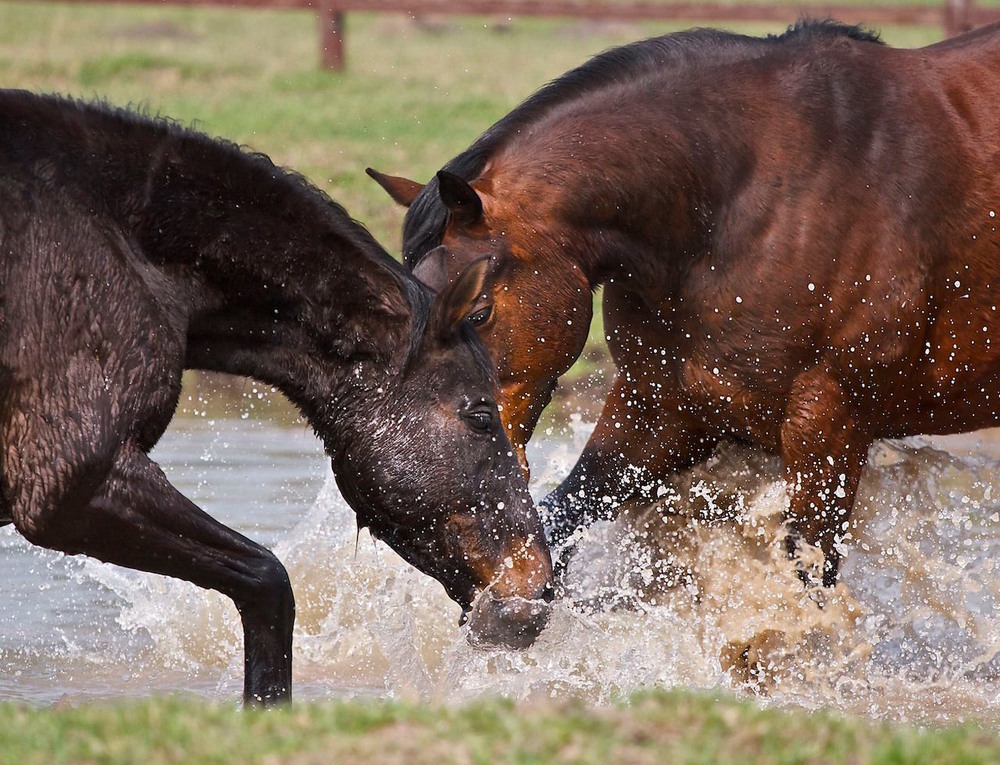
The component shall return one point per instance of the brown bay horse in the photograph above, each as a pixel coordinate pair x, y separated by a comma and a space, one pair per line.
134, 248
797, 238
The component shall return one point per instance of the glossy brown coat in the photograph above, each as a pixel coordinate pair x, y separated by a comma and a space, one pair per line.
797, 238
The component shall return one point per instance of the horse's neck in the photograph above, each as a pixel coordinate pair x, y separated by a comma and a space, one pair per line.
314, 341
214, 210
626, 199
284, 287
633, 225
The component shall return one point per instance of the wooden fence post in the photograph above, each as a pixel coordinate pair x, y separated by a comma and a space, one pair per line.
957, 16
331, 37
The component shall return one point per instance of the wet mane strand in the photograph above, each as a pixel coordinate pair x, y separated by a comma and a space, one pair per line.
425, 221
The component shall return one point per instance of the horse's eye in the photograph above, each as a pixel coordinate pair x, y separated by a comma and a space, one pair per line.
480, 316
479, 419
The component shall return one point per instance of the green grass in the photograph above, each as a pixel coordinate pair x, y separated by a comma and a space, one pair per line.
412, 96
676, 728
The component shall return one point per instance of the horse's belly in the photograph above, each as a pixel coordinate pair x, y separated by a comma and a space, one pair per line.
953, 383
939, 404
738, 400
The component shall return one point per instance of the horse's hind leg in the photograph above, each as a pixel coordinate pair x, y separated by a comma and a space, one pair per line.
123, 510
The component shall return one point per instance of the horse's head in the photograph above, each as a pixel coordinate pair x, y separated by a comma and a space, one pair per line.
428, 469
537, 319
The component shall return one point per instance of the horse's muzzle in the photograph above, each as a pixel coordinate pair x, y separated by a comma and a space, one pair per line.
512, 622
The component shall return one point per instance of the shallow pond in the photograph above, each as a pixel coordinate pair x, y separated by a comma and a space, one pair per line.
694, 592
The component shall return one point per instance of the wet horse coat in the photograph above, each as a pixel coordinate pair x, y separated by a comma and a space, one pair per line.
797, 238
131, 249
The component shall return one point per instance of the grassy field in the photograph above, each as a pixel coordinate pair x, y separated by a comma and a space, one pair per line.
673, 728
413, 95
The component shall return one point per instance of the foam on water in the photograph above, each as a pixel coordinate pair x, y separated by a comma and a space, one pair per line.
694, 591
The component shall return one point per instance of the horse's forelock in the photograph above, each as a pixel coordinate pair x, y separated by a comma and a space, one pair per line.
420, 300
479, 353
424, 224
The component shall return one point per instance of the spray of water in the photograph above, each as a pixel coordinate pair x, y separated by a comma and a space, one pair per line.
694, 591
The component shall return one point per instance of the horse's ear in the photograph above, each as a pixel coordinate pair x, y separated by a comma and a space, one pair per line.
460, 198
432, 269
440, 266
460, 299
402, 190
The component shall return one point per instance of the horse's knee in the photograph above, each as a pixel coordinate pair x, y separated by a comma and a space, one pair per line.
273, 577
270, 590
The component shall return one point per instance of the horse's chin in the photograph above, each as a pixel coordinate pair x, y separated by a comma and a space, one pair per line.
512, 623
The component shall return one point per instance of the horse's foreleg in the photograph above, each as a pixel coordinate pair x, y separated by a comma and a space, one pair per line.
824, 449
126, 512
638, 441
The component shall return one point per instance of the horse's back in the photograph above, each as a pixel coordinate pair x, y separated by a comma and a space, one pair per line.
973, 42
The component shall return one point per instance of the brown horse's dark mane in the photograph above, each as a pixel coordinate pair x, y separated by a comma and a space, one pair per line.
426, 219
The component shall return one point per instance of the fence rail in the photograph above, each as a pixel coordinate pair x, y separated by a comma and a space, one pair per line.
952, 16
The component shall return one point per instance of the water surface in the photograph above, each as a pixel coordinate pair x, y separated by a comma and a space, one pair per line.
694, 592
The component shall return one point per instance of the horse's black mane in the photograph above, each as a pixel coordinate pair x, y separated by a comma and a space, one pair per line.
426, 219
239, 172
99, 115
805, 28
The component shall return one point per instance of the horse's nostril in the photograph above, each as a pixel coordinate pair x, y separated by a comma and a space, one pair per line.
548, 594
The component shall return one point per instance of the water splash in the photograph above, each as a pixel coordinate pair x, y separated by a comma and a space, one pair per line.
694, 591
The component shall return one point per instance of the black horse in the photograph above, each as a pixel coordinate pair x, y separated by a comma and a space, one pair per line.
134, 248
